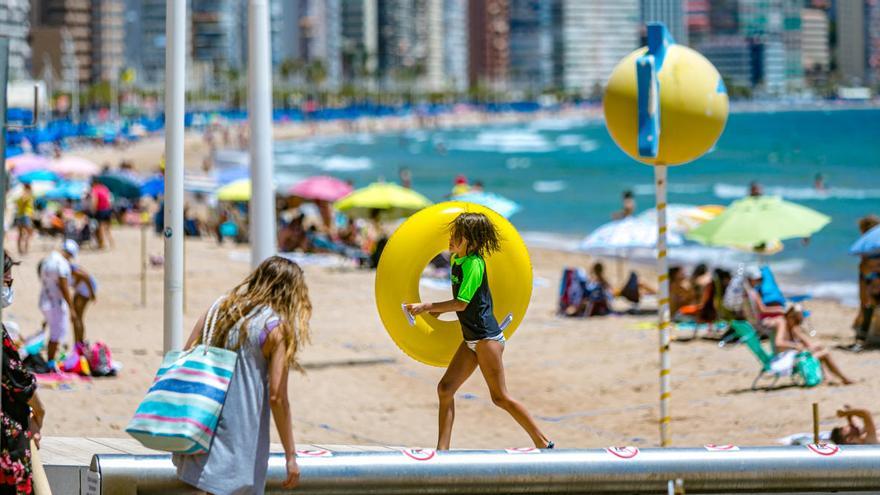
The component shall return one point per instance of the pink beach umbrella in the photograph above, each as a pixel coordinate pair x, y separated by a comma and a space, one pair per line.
320, 188
27, 162
74, 165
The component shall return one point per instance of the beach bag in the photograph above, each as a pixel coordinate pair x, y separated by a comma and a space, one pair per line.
101, 360
808, 368
181, 410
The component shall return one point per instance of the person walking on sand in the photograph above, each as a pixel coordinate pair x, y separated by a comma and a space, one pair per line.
102, 210
85, 289
24, 218
265, 319
56, 301
473, 237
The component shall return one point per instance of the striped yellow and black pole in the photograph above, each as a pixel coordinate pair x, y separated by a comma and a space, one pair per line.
663, 304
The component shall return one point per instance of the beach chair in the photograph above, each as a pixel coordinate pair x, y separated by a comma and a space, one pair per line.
771, 294
806, 370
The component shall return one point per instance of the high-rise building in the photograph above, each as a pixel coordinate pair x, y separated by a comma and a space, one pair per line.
76, 17
872, 41
669, 12
397, 39
360, 38
777, 25
152, 52
216, 35
724, 17
14, 24
596, 35
488, 42
815, 52
531, 44
734, 57
108, 40
320, 37
851, 41
455, 44
698, 23
134, 38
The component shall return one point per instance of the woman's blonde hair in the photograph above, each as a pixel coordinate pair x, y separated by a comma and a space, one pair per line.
279, 284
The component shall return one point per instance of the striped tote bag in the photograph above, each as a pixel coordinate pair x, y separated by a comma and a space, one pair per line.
181, 410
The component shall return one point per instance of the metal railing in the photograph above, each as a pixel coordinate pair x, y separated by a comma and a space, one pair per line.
712, 469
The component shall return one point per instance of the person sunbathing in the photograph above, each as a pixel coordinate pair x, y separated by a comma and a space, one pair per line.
851, 433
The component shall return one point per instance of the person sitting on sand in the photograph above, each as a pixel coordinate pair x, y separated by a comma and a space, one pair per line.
851, 433
867, 266
785, 325
680, 291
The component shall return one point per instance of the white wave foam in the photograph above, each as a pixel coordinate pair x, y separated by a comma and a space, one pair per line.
588, 146
732, 191
846, 292
339, 163
557, 124
549, 240
296, 159
672, 187
549, 186
569, 140
516, 162
507, 141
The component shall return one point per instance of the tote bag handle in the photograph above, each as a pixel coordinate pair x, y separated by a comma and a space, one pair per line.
210, 323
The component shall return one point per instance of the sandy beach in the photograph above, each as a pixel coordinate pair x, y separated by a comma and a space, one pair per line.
591, 382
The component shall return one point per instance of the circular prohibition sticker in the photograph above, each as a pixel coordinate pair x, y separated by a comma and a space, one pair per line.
824, 449
314, 453
419, 454
523, 450
624, 452
711, 447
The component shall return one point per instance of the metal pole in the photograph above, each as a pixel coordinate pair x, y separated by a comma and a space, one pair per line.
175, 81
262, 204
663, 305
815, 422
711, 469
4, 75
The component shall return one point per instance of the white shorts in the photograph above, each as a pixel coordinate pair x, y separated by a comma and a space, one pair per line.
58, 320
472, 344
783, 363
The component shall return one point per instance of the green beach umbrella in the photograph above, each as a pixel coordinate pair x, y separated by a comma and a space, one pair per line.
759, 220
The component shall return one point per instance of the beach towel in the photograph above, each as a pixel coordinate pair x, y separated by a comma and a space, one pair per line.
181, 410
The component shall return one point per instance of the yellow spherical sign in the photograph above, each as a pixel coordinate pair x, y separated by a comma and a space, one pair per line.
692, 105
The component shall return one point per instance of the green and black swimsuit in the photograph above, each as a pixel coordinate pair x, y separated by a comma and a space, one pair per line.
470, 284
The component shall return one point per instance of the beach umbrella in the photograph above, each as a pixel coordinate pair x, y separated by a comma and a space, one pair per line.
74, 189
499, 204
121, 185
38, 189
74, 165
759, 220
630, 233
868, 244
44, 175
238, 191
393, 200
231, 174
27, 162
321, 188
154, 187
682, 218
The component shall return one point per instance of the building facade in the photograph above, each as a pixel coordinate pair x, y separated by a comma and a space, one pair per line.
851, 42
531, 45
108, 39
76, 17
669, 12
596, 35
815, 50
15, 24
455, 44
489, 42
360, 39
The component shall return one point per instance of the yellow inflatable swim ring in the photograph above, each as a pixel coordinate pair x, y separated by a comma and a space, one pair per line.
422, 237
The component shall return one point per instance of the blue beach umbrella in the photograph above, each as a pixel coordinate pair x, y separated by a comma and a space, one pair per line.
153, 187
75, 189
868, 244
501, 205
43, 175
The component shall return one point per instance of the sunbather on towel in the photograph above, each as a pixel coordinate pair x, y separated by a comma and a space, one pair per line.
851, 433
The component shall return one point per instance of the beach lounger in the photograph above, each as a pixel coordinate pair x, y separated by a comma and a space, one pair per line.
790, 363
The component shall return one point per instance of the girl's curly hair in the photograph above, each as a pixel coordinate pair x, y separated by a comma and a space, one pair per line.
478, 231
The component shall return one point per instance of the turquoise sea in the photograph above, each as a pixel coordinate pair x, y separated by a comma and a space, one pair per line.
568, 176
